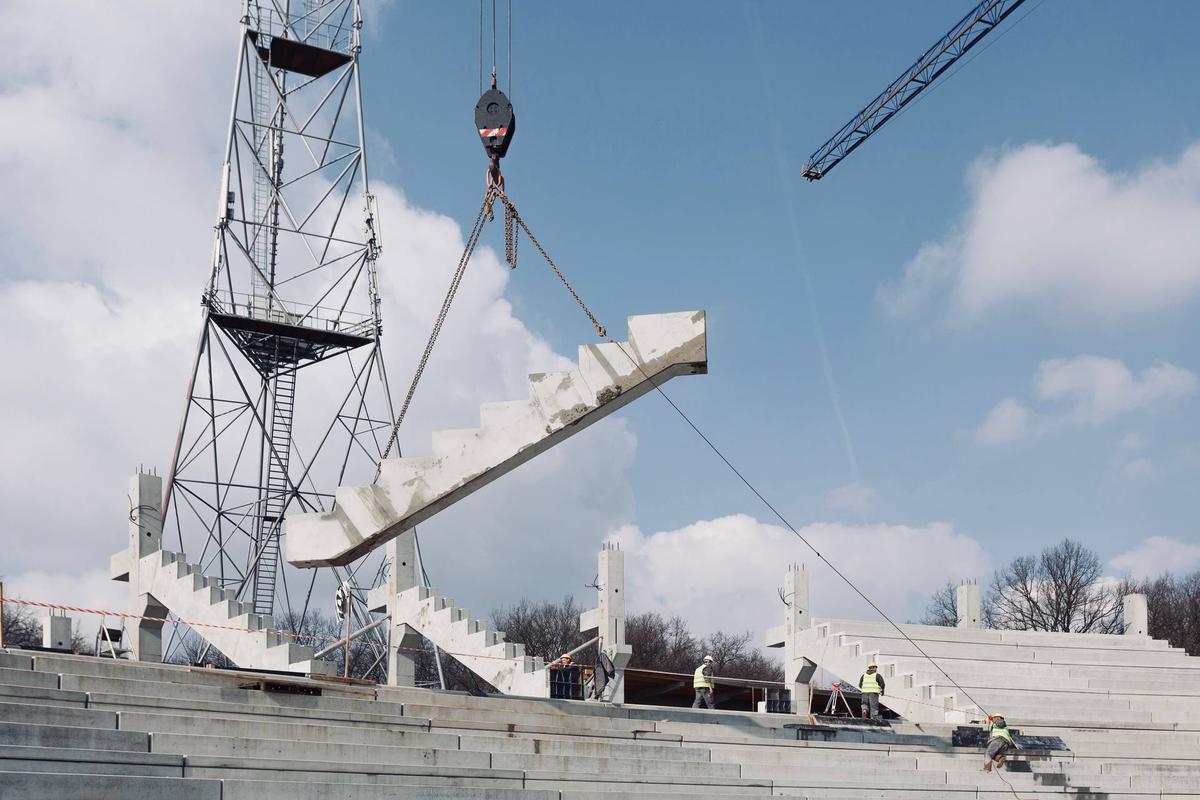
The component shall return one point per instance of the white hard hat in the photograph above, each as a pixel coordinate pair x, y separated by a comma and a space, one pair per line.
709, 658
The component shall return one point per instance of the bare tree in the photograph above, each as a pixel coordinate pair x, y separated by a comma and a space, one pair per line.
943, 607
734, 657
1062, 589
1172, 608
21, 627
662, 644
546, 629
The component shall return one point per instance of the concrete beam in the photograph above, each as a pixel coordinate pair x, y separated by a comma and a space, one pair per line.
411, 490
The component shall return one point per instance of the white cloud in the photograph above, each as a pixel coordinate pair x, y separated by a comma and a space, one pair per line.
110, 180
723, 573
1007, 421
1099, 389
1049, 229
853, 498
1156, 555
1086, 390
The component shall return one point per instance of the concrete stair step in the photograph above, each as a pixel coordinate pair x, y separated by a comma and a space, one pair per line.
57, 786
57, 715
28, 734
238, 789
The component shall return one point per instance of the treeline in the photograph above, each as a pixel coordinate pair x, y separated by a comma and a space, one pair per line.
1064, 589
549, 629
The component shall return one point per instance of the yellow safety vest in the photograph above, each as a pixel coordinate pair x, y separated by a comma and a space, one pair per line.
1002, 733
701, 682
870, 683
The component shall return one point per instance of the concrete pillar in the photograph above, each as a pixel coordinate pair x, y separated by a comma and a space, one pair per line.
970, 608
402, 656
1134, 615
56, 630
608, 618
796, 619
145, 539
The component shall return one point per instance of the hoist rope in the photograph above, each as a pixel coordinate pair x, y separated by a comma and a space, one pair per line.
601, 331
459, 271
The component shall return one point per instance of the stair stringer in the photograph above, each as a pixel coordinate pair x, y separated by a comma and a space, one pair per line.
230, 626
846, 657
473, 642
560, 404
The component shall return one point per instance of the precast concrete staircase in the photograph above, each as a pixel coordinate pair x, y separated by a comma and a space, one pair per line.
246, 638
74, 727
473, 642
1037, 679
409, 490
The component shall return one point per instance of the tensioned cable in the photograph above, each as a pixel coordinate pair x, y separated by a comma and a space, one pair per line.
600, 329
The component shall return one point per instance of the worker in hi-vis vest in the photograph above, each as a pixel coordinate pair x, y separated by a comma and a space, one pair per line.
1000, 742
871, 686
703, 683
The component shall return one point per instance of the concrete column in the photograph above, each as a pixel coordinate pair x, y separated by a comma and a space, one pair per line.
796, 619
402, 656
145, 539
56, 630
608, 618
969, 606
1134, 615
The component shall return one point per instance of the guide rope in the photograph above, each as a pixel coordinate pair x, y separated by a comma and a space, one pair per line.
695, 428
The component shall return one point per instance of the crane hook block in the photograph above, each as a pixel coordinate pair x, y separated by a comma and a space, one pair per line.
495, 121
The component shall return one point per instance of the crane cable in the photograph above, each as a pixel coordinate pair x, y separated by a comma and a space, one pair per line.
712, 446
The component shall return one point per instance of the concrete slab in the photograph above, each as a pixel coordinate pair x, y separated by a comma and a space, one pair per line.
56, 715
61, 736
409, 491
34, 786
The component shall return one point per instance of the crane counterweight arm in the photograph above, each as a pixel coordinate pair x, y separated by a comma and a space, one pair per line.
978, 22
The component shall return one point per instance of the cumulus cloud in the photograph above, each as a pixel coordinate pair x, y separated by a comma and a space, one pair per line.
111, 184
722, 573
1008, 420
1156, 555
1050, 230
1086, 390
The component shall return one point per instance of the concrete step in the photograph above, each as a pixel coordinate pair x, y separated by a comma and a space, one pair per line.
40, 714
303, 729
33, 735
58, 786
237, 789
39, 696
18, 758
314, 752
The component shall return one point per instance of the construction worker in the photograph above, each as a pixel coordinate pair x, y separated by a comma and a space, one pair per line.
1000, 742
871, 685
703, 683
564, 679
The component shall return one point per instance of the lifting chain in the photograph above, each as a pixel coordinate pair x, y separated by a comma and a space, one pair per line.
461, 270
513, 224
510, 208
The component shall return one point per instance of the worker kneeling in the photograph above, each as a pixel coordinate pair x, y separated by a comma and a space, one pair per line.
1000, 743
871, 685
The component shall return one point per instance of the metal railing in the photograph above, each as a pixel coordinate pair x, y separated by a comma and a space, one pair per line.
241, 304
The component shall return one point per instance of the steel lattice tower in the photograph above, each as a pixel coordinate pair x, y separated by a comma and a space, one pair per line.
291, 303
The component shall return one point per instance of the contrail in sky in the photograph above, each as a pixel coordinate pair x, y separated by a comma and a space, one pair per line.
787, 189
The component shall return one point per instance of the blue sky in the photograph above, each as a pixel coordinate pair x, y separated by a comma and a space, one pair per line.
1033, 377
645, 158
